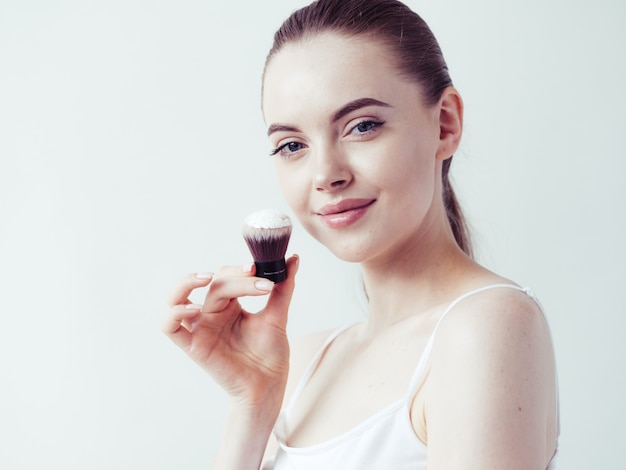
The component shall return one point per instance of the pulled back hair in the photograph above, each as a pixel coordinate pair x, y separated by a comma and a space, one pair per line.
415, 48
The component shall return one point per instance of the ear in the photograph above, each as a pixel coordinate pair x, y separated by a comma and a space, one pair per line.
450, 123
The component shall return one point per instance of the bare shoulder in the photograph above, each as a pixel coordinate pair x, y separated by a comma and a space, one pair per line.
501, 328
492, 370
501, 318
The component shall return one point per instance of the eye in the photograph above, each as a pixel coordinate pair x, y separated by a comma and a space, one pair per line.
366, 127
288, 149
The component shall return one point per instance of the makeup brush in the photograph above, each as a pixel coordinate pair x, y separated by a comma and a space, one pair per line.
267, 233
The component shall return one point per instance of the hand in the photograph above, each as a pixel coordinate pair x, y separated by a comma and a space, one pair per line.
246, 353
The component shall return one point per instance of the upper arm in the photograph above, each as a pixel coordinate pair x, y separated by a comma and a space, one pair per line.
490, 398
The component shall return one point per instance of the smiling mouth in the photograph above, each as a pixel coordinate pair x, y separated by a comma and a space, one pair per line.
345, 206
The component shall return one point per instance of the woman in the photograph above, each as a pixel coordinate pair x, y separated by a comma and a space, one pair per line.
453, 367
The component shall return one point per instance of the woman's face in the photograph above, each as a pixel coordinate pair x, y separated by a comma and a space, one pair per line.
356, 151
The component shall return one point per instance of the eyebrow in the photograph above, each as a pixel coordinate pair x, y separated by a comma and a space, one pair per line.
358, 104
341, 112
281, 127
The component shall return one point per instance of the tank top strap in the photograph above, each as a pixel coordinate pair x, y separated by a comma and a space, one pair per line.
306, 376
418, 374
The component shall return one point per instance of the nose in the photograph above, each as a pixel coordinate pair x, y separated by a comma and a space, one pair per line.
332, 171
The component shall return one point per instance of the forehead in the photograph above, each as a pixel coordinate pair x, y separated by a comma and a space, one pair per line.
329, 69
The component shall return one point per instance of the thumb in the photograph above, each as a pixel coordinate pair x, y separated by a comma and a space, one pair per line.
278, 303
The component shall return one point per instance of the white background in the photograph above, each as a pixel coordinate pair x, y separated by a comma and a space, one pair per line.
132, 147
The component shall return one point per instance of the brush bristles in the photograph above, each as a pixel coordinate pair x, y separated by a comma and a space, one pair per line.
267, 235
267, 244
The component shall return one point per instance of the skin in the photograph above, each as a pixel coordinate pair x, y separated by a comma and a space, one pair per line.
488, 400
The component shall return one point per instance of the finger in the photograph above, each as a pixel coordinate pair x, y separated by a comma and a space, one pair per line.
280, 298
176, 326
247, 269
224, 289
180, 294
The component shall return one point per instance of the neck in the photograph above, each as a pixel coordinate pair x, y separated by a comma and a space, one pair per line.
423, 275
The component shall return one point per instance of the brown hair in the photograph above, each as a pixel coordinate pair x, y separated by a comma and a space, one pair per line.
418, 55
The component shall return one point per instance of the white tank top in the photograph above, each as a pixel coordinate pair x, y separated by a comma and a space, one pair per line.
384, 441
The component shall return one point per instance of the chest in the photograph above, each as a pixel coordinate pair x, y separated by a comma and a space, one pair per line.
355, 381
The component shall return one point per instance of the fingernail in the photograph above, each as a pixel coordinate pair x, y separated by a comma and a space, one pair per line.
204, 275
247, 268
193, 307
264, 285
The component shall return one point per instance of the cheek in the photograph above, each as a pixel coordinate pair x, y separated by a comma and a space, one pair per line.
292, 187
410, 180
296, 189
406, 168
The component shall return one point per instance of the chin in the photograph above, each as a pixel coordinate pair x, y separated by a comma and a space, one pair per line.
348, 258
350, 253
348, 247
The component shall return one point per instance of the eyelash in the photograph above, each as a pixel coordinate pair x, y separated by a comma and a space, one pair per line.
375, 125
280, 148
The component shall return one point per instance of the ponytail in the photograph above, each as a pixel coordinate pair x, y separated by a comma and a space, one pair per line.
454, 213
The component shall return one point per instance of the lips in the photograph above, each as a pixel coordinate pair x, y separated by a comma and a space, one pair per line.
345, 212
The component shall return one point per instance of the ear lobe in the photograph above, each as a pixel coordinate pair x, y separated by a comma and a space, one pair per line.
450, 123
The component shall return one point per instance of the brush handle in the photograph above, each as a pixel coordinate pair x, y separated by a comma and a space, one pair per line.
275, 271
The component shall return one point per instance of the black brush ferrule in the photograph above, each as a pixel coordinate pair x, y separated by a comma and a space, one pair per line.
275, 271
